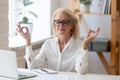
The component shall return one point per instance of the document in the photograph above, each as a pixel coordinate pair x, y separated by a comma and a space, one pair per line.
54, 77
48, 74
44, 71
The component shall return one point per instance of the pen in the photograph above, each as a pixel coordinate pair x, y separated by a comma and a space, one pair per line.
49, 72
44, 70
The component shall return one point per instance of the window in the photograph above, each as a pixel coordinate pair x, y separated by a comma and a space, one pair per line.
41, 25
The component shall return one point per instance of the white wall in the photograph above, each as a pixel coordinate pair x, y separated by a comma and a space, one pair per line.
54, 4
64, 3
95, 65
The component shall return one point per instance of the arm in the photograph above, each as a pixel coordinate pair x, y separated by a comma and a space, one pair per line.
89, 37
30, 57
25, 34
36, 60
90, 33
81, 65
81, 60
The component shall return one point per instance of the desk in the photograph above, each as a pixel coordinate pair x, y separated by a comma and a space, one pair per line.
70, 76
74, 76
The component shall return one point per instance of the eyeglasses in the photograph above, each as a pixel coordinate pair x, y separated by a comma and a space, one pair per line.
63, 22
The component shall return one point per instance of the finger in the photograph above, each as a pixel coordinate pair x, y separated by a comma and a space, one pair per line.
27, 30
23, 29
97, 31
18, 27
88, 33
92, 31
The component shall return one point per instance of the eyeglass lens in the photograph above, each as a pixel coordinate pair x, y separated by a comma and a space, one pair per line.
63, 22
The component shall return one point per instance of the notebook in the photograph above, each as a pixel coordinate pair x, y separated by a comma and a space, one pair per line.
8, 66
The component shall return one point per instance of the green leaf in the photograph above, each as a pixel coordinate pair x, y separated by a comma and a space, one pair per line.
86, 2
35, 15
27, 4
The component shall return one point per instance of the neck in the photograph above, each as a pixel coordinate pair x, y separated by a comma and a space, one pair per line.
63, 39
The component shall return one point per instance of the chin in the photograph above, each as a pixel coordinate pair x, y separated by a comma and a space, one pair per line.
61, 32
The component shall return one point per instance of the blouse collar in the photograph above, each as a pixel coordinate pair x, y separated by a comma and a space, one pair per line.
69, 43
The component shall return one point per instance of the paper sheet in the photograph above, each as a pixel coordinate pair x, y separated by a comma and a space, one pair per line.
45, 71
54, 77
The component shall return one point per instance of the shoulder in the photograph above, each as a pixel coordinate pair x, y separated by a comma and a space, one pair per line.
75, 42
78, 40
50, 41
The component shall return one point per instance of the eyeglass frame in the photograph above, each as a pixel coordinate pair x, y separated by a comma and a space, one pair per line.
61, 22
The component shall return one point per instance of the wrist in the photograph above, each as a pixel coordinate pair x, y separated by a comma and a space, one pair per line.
84, 46
28, 43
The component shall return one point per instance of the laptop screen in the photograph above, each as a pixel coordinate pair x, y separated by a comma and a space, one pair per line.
8, 64
9, 69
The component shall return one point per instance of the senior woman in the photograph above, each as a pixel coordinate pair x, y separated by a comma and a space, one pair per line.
64, 52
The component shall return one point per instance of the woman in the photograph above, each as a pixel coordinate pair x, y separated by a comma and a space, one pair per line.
64, 52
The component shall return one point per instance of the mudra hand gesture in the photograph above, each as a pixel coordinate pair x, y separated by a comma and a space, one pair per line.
89, 37
24, 32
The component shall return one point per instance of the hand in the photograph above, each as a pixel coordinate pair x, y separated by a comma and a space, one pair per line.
24, 32
89, 37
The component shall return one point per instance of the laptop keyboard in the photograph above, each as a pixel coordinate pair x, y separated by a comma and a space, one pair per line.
23, 76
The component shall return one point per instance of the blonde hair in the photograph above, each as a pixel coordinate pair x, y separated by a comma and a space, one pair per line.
74, 21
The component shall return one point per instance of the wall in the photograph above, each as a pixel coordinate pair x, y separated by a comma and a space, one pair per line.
3, 24
4, 31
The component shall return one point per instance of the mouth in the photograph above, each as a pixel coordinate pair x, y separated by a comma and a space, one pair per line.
61, 29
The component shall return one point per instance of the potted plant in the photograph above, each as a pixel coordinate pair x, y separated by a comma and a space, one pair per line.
25, 14
84, 5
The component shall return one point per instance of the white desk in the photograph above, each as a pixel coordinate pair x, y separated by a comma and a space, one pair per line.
70, 76
74, 76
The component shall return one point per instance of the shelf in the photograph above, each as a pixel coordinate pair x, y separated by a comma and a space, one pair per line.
97, 14
113, 67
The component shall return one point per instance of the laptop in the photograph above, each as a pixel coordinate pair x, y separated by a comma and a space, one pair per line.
8, 66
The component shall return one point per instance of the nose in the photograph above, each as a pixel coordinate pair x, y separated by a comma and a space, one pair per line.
61, 24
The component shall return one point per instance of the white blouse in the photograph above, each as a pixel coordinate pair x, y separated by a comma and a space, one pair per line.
72, 58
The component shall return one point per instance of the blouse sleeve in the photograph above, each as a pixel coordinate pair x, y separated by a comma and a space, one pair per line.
34, 61
81, 65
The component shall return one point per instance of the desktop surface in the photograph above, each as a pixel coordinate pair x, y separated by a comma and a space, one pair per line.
69, 76
74, 76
